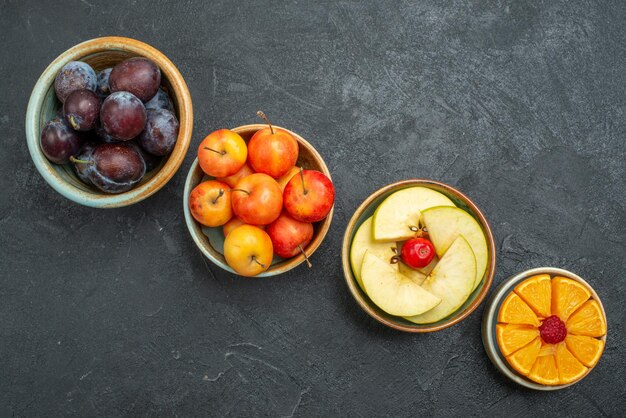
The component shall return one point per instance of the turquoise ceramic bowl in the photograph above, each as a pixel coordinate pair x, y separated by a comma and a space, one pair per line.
210, 241
367, 209
43, 105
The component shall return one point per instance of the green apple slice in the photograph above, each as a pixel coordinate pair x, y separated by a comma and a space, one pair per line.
445, 224
362, 242
399, 212
413, 274
451, 280
393, 292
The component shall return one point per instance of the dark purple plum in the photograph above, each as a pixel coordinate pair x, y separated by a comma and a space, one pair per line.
161, 132
59, 141
82, 109
116, 167
102, 135
74, 75
138, 75
83, 162
161, 100
152, 161
103, 89
122, 115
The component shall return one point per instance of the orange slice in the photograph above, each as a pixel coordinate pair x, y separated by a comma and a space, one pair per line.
536, 291
586, 349
570, 369
512, 337
588, 320
544, 371
515, 311
524, 358
567, 296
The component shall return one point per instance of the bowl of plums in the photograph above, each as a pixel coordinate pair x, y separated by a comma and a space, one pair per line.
109, 122
258, 199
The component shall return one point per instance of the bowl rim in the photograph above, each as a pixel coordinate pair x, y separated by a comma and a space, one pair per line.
490, 319
289, 264
351, 281
175, 159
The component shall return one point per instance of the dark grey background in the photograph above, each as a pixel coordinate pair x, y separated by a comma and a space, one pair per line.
521, 105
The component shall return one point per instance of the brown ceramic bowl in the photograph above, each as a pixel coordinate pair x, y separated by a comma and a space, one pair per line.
367, 209
101, 53
211, 240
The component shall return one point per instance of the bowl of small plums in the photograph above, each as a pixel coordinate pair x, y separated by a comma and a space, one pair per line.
258, 200
109, 122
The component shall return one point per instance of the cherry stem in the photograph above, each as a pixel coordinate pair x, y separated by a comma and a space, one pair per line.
262, 116
77, 161
220, 194
302, 177
308, 263
240, 190
223, 152
257, 261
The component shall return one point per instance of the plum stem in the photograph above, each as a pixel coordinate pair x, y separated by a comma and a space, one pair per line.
262, 116
220, 194
77, 161
73, 123
222, 152
305, 191
240, 190
308, 263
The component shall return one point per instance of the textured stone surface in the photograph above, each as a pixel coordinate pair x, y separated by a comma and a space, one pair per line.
520, 104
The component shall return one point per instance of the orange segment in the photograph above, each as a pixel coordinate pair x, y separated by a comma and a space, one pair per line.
524, 358
515, 311
570, 369
588, 320
512, 337
536, 291
567, 296
544, 371
586, 349
547, 349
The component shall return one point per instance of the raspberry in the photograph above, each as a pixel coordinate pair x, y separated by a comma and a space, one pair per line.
553, 330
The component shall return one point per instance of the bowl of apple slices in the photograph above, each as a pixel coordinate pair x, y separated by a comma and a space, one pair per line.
418, 256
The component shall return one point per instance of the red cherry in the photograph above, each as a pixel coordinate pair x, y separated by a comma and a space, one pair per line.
418, 252
553, 330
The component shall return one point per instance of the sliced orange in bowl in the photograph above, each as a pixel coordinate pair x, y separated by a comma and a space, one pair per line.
588, 320
586, 349
550, 330
537, 293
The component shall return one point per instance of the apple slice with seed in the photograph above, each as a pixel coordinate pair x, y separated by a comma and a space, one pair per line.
445, 224
451, 280
397, 218
363, 242
393, 292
